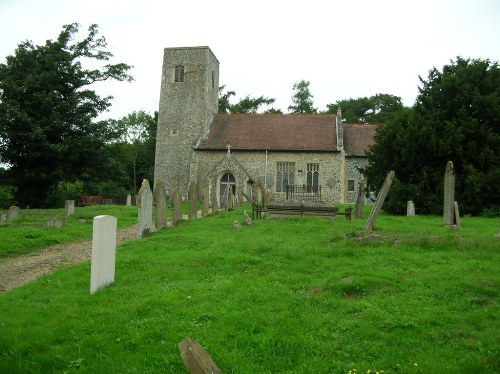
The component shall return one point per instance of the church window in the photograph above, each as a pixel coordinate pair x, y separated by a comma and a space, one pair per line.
312, 177
284, 175
179, 74
350, 185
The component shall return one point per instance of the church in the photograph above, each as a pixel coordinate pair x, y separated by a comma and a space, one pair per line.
294, 157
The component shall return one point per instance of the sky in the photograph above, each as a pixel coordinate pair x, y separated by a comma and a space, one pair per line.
345, 49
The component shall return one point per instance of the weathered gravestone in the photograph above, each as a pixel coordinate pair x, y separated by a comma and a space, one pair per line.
160, 203
129, 200
458, 225
230, 200
360, 201
102, 267
55, 222
410, 209
13, 213
193, 201
215, 204
206, 200
69, 208
177, 201
145, 215
449, 195
196, 358
380, 200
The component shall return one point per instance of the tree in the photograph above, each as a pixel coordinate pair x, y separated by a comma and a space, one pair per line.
302, 98
246, 105
48, 131
455, 118
379, 108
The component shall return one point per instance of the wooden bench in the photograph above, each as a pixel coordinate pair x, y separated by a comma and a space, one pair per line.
301, 210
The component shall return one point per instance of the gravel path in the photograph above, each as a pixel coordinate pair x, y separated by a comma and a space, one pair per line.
16, 271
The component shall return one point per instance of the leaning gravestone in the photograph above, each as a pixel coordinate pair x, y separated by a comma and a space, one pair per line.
206, 200
177, 201
160, 203
196, 358
449, 195
193, 201
69, 208
13, 213
410, 209
102, 267
145, 215
380, 200
360, 201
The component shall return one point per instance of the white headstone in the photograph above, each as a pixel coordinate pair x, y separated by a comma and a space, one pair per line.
69, 207
129, 200
102, 267
410, 209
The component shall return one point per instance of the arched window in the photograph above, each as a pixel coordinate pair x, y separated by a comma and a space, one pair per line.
227, 182
179, 74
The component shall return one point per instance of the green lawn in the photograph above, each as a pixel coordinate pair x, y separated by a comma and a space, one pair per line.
281, 296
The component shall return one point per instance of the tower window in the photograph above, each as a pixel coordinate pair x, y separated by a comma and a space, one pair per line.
179, 73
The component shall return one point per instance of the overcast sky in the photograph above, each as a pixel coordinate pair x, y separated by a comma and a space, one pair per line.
346, 49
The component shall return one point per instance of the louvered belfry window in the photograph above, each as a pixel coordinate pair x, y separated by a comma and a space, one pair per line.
179, 74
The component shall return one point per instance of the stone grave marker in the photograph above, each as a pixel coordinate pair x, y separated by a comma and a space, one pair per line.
457, 216
449, 195
360, 201
410, 209
193, 201
206, 200
12, 213
380, 200
177, 201
196, 359
69, 208
160, 203
102, 267
145, 214
55, 222
215, 204
129, 200
230, 200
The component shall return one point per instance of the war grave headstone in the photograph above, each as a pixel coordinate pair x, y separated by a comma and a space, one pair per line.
380, 200
160, 204
102, 267
145, 214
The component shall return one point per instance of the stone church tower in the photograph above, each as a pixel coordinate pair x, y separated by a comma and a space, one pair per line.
189, 99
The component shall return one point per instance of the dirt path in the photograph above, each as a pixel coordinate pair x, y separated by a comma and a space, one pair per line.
16, 271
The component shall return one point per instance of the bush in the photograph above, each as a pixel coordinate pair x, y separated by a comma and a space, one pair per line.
491, 212
63, 191
7, 194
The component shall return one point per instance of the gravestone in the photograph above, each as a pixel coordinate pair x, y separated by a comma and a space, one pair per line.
160, 203
193, 201
145, 214
457, 216
129, 200
55, 222
12, 213
380, 200
102, 267
360, 201
196, 358
215, 205
206, 200
449, 195
177, 201
410, 209
69, 208
230, 200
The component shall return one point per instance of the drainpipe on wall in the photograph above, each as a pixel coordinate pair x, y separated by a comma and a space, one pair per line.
265, 173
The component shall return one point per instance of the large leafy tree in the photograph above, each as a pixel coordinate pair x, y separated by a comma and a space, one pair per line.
48, 131
456, 118
246, 105
379, 108
302, 98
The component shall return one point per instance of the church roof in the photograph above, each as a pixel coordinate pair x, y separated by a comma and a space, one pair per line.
273, 132
358, 137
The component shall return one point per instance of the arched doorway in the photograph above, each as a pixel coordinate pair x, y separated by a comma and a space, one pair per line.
226, 182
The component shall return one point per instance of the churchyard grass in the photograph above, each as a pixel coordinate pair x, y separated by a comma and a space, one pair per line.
29, 232
295, 295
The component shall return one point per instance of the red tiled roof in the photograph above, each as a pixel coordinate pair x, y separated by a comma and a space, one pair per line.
278, 132
358, 137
